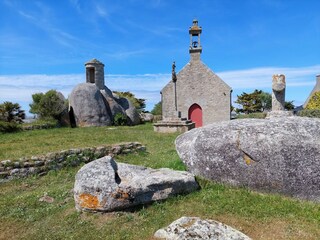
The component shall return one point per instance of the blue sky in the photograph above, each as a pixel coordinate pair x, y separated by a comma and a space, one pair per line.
44, 44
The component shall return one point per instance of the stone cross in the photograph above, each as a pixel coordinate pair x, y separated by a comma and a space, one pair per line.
278, 92
174, 76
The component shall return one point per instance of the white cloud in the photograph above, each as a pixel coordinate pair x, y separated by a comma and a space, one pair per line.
262, 77
19, 88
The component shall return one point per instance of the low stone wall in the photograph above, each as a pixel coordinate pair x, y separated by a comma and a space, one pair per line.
38, 126
40, 165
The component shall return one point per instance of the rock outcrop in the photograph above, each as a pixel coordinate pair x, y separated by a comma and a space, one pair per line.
104, 185
93, 104
130, 110
88, 106
196, 228
146, 117
277, 154
94, 107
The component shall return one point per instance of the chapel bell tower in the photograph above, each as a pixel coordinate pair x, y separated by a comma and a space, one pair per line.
195, 45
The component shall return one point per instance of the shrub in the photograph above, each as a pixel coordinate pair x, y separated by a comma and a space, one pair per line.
41, 124
252, 115
7, 127
313, 113
49, 105
314, 102
120, 119
157, 109
11, 112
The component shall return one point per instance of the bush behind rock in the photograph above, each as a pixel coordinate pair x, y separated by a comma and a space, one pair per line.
313, 113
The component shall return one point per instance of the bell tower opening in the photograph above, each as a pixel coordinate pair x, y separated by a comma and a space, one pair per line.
195, 32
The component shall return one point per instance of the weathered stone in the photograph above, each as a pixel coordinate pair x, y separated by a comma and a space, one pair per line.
173, 125
4, 174
16, 164
116, 150
88, 106
277, 154
278, 97
39, 163
15, 171
6, 162
57, 160
194, 228
46, 199
146, 117
113, 107
93, 104
28, 164
104, 185
130, 110
280, 114
64, 116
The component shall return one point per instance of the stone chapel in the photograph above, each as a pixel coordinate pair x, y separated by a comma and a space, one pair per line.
196, 93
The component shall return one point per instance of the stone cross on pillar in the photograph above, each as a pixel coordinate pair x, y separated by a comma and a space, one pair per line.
278, 92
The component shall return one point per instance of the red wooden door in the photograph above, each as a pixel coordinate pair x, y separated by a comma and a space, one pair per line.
195, 114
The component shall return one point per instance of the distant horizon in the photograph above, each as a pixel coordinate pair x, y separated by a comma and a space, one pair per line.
240, 81
44, 45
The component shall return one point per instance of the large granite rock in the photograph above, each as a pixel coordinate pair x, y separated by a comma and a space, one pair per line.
146, 117
113, 107
104, 185
64, 115
91, 106
277, 154
88, 106
194, 228
130, 110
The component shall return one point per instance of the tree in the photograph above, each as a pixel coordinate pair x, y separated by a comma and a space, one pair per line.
11, 112
251, 102
258, 101
288, 105
266, 100
157, 109
139, 103
34, 107
314, 102
49, 105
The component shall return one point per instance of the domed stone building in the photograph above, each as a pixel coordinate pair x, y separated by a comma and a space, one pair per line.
93, 104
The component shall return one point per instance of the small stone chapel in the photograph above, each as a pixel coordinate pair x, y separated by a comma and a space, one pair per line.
196, 93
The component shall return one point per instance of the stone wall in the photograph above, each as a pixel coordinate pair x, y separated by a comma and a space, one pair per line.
40, 165
38, 126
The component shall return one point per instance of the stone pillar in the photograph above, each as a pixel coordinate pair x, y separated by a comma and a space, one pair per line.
278, 97
278, 92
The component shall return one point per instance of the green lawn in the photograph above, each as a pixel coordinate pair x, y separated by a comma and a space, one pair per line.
260, 216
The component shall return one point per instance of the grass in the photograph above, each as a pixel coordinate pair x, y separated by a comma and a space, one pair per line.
260, 216
252, 115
